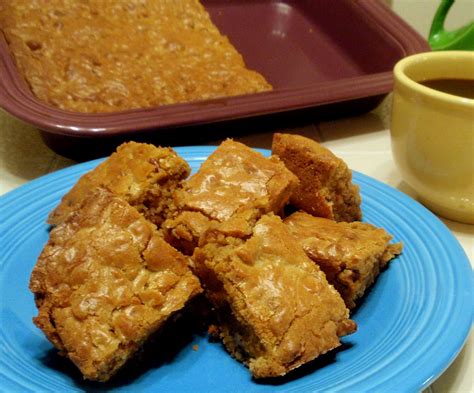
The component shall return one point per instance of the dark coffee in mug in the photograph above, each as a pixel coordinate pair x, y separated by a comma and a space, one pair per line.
458, 87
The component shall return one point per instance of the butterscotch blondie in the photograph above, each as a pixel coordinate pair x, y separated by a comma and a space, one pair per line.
351, 254
235, 183
102, 56
142, 174
326, 188
104, 282
276, 308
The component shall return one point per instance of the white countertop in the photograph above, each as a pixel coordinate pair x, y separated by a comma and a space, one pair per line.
363, 142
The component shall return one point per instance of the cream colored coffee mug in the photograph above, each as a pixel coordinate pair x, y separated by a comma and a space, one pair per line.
433, 130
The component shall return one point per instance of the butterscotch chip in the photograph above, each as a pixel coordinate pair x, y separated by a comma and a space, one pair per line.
142, 174
106, 281
102, 56
234, 184
276, 308
325, 188
351, 254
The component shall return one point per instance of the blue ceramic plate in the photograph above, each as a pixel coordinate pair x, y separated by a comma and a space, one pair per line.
411, 324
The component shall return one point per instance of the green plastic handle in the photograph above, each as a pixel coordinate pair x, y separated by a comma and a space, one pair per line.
459, 39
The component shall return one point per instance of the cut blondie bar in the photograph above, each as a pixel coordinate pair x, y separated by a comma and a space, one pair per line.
276, 308
325, 188
351, 254
142, 174
235, 183
105, 282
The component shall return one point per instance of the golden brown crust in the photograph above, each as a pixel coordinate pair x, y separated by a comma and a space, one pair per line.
102, 56
104, 282
142, 174
351, 254
276, 308
325, 188
236, 183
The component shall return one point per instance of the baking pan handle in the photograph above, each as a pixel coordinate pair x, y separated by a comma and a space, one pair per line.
3, 97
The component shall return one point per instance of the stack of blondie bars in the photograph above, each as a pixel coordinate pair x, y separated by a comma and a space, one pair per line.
275, 244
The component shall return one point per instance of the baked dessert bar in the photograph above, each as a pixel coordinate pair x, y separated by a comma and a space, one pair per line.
276, 308
104, 282
326, 188
102, 56
142, 174
235, 183
351, 254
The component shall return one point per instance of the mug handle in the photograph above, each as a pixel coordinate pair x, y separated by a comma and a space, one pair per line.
440, 39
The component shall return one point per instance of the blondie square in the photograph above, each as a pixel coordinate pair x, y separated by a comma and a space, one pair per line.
106, 281
276, 308
351, 254
142, 174
235, 182
325, 188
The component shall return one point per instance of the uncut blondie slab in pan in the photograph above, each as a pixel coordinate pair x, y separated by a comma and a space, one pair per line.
234, 184
102, 56
106, 281
142, 174
276, 308
325, 188
351, 254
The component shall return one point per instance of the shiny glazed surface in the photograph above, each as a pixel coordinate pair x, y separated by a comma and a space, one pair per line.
238, 179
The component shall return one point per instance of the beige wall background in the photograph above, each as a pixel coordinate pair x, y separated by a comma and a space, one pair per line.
419, 13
